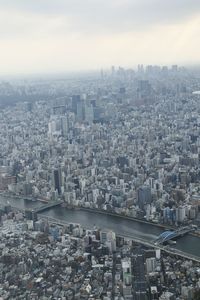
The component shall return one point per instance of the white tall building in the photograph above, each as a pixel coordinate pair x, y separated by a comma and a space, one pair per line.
126, 269
150, 264
180, 214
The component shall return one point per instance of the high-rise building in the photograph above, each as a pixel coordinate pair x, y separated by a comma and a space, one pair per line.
174, 68
180, 214
57, 180
113, 70
89, 113
140, 291
150, 264
144, 196
140, 69
127, 274
64, 125
76, 99
80, 115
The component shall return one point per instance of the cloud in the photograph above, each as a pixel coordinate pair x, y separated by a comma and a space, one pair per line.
47, 53
61, 35
101, 16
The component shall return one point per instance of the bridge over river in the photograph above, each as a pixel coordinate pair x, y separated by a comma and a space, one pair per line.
172, 235
47, 206
15, 203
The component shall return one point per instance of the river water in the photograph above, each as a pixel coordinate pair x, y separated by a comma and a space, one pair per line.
188, 244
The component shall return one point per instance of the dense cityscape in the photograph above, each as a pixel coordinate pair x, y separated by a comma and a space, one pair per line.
40, 260
119, 142
124, 144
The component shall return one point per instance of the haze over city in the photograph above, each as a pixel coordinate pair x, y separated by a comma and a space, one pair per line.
99, 150
58, 36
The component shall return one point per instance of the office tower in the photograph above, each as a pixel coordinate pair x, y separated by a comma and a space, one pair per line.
108, 238
89, 113
54, 126
64, 125
174, 68
76, 99
112, 70
165, 70
180, 214
144, 86
127, 278
144, 196
126, 269
57, 180
140, 69
80, 115
149, 69
150, 264
144, 91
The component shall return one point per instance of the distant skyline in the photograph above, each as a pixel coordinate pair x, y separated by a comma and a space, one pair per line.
52, 36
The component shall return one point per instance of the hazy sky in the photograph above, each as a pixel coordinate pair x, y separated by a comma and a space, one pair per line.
64, 35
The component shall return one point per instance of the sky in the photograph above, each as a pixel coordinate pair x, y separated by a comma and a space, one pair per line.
47, 36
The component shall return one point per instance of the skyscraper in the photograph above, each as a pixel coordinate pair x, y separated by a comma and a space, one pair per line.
76, 99
57, 180
64, 125
144, 196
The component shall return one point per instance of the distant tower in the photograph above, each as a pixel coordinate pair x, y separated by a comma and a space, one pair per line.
140, 69
76, 99
89, 113
174, 68
64, 125
112, 70
80, 111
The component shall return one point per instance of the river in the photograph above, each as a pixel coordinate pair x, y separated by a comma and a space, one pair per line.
188, 244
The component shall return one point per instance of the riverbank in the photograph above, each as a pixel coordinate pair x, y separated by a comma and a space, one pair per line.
113, 214
104, 212
95, 210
